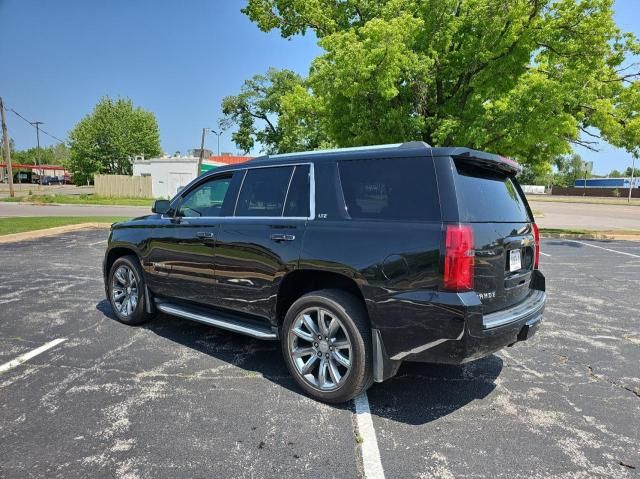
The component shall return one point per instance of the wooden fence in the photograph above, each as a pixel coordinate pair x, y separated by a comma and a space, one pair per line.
123, 186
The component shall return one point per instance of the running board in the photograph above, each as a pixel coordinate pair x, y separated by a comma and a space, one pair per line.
218, 320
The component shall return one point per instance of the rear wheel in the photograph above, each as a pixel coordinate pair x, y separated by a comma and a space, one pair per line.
127, 291
326, 342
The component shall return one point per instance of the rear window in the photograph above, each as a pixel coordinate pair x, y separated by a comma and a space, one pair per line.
401, 189
487, 196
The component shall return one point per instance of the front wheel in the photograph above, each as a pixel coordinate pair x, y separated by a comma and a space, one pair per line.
326, 342
126, 291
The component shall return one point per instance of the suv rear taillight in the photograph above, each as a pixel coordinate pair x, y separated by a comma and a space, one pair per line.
459, 258
536, 236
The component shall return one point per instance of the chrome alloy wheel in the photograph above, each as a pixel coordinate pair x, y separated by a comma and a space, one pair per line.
320, 349
124, 290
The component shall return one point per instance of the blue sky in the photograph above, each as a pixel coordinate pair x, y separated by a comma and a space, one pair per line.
177, 59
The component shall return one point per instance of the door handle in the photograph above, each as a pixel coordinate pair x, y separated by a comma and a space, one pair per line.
204, 235
282, 237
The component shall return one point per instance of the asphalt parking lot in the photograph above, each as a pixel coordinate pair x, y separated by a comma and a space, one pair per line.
179, 399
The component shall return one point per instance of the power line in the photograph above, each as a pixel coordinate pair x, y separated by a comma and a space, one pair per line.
33, 124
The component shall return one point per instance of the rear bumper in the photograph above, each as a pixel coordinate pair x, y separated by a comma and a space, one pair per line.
496, 331
468, 334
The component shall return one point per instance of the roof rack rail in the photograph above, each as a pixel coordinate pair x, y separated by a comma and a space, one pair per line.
415, 144
411, 144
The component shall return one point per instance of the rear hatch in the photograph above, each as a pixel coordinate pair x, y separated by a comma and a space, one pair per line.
491, 201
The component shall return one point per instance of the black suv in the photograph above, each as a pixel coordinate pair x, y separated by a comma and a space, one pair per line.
355, 259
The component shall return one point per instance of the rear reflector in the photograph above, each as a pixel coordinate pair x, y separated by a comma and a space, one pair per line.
459, 258
536, 235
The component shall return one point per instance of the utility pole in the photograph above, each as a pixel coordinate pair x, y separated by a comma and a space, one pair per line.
37, 125
6, 150
204, 131
633, 170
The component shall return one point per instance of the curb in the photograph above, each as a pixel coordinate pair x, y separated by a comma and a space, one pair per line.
28, 235
35, 203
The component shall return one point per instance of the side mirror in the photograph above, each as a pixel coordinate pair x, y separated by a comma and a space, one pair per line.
161, 206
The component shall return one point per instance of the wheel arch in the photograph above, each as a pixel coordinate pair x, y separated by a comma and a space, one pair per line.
303, 281
118, 252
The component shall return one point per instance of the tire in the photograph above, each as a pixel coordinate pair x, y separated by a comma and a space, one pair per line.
334, 382
128, 312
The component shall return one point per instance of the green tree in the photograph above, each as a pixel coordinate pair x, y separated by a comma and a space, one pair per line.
525, 78
32, 156
636, 172
61, 154
263, 116
106, 140
614, 174
569, 169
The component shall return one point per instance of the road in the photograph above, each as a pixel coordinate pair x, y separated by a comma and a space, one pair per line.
586, 216
26, 209
179, 399
554, 215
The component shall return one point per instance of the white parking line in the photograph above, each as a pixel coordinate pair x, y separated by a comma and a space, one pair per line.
97, 242
26, 356
369, 447
545, 254
607, 249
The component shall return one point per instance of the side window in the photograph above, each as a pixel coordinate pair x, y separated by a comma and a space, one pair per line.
206, 199
402, 189
263, 191
297, 204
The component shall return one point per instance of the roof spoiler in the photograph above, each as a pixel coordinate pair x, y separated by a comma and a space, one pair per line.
490, 161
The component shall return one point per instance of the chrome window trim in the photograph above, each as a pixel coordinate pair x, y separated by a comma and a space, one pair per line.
235, 206
312, 191
286, 195
312, 194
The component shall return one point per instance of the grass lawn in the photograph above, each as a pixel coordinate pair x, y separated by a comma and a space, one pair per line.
82, 199
593, 200
31, 223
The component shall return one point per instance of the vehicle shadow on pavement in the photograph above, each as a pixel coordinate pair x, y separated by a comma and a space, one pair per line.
255, 357
418, 394
421, 393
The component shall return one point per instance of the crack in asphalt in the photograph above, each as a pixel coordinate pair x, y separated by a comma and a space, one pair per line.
605, 378
599, 376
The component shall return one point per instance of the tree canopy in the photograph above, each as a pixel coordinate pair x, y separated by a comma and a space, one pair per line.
523, 78
273, 110
106, 140
48, 155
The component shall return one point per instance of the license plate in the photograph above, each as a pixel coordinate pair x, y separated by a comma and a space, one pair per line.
515, 260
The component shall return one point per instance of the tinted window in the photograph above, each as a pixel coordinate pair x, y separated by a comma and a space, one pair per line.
488, 196
298, 195
206, 199
263, 191
390, 189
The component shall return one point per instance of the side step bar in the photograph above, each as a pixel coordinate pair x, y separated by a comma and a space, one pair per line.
218, 320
